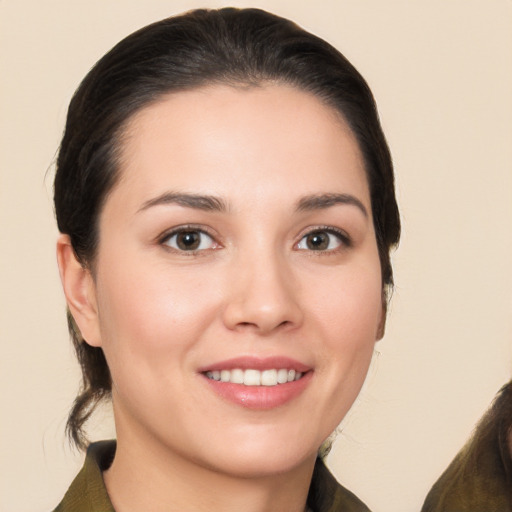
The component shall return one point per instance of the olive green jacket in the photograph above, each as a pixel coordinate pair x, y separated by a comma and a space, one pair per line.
88, 493
479, 479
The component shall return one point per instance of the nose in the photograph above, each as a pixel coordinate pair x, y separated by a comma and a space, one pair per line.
264, 296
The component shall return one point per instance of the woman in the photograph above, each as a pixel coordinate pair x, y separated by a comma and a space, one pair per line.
480, 476
225, 198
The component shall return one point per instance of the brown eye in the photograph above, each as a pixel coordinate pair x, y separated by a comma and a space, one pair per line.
321, 240
190, 240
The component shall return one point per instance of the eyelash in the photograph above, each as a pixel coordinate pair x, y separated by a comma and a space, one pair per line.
343, 238
167, 236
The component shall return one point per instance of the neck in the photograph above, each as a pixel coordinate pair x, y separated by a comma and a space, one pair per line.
159, 480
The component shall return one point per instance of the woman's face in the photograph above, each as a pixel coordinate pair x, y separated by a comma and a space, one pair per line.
238, 244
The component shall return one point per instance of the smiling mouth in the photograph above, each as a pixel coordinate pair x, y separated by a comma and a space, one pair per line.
252, 377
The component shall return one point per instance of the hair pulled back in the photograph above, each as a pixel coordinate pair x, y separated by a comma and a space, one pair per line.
229, 46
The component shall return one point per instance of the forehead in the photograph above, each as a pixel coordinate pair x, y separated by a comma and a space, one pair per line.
252, 136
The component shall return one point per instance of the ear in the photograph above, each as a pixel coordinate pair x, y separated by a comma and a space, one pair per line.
80, 291
381, 327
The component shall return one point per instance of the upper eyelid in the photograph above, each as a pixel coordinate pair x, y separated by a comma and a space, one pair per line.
168, 233
164, 241
330, 229
165, 235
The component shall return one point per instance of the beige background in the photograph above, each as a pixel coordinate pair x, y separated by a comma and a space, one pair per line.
441, 71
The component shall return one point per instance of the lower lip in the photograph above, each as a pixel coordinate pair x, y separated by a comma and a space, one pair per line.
260, 397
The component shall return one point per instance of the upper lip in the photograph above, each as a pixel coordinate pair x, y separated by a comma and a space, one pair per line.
257, 363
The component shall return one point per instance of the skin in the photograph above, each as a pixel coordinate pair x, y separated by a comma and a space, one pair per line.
254, 288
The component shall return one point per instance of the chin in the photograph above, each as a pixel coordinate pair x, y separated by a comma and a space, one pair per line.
263, 458
262, 465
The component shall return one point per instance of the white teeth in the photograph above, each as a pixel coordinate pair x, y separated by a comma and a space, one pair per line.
252, 377
282, 376
237, 376
269, 378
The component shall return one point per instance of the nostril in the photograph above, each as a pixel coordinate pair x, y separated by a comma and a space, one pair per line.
253, 308
245, 325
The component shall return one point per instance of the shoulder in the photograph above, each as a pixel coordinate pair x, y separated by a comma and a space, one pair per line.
87, 493
327, 495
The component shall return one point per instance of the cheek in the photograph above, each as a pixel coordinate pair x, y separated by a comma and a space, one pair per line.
152, 311
151, 325
348, 315
349, 306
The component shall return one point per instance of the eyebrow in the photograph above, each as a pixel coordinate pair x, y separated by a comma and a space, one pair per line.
216, 204
322, 201
199, 202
